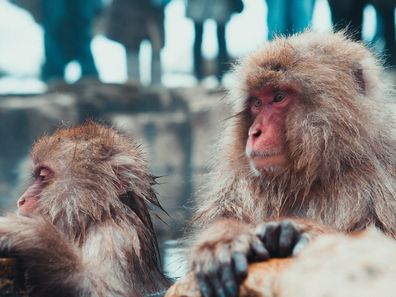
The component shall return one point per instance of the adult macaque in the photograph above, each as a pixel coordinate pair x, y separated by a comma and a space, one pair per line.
84, 227
312, 140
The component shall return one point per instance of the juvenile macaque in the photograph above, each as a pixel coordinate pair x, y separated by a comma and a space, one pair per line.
84, 227
312, 140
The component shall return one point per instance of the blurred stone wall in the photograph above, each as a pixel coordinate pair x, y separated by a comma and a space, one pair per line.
175, 126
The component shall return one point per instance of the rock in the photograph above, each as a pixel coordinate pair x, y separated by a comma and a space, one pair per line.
362, 265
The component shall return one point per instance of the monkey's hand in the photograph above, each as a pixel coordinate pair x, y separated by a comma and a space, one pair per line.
47, 257
283, 238
221, 256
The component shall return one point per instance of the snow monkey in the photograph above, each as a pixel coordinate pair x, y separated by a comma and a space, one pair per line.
311, 147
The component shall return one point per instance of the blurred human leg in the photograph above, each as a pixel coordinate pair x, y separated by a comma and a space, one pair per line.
385, 13
156, 45
348, 14
299, 15
133, 65
276, 18
82, 14
53, 17
198, 60
223, 59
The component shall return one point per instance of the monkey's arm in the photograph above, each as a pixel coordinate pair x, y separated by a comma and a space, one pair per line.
52, 264
56, 267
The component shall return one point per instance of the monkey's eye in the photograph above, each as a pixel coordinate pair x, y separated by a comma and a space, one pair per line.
256, 102
279, 96
43, 174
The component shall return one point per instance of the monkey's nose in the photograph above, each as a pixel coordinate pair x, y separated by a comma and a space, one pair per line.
21, 202
255, 133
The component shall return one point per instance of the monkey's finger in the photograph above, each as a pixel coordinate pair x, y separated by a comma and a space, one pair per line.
303, 241
211, 269
228, 280
271, 238
259, 252
262, 229
223, 255
287, 238
205, 270
204, 286
217, 285
240, 266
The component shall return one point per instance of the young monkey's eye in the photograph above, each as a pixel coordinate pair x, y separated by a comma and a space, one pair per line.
43, 174
256, 102
279, 96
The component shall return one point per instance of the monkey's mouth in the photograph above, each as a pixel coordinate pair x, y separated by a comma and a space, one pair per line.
267, 160
264, 154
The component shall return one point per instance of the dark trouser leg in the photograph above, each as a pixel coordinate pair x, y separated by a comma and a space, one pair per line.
53, 13
299, 14
82, 18
276, 18
223, 60
348, 14
385, 13
154, 28
198, 60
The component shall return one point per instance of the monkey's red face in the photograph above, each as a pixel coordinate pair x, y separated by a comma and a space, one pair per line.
28, 202
265, 146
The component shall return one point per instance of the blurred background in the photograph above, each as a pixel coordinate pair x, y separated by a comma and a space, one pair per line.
155, 69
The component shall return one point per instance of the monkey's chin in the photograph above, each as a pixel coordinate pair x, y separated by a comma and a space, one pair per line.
21, 213
268, 165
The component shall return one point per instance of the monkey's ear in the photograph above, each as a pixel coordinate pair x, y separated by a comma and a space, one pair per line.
133, 175
358, 76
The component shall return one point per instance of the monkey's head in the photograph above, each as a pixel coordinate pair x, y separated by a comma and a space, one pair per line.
305, 104
86, 175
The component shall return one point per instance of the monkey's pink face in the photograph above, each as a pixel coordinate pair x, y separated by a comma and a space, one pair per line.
265, 147
28, 202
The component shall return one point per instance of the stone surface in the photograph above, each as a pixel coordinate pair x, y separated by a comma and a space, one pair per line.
363, 265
